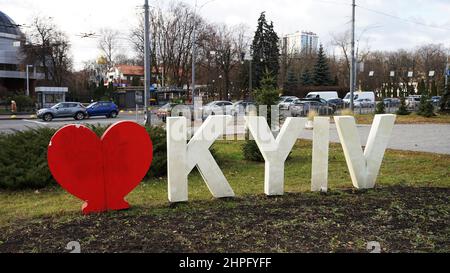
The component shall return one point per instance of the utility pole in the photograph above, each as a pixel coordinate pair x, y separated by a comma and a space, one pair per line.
28, 79
353, 65
147, 59
194, 50
447, 72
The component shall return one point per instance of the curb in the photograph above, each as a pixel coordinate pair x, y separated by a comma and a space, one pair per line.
15, 117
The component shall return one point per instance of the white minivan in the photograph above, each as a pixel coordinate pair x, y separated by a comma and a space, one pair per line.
360, 96
326, 95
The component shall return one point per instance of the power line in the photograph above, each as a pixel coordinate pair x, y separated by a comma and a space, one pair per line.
402, 19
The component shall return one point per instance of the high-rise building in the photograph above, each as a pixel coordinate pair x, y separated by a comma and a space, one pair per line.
300, 42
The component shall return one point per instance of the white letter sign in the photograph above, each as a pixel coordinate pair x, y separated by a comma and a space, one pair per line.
364, 167
275, 152
182, 158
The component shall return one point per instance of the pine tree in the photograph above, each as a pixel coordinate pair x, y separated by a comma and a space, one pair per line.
267, 94
421, 87
291, 82
445, 101
403, 110
321, 70
336, 81
266, 52
306, 79
426, 108
434, 89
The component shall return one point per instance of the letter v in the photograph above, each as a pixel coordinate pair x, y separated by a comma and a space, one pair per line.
364, 167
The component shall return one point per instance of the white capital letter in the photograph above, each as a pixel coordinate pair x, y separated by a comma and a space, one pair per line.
182, 158
275, 152
364, 167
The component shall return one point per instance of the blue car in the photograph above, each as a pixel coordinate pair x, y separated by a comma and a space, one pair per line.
103, 108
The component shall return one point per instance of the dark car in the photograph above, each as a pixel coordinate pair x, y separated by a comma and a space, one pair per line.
336, 103
303, 107
103, 108
391, 102
74, 110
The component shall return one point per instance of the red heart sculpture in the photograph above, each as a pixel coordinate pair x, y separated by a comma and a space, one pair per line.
100, 171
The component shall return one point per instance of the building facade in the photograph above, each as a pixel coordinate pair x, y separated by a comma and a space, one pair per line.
300, 43
13, 75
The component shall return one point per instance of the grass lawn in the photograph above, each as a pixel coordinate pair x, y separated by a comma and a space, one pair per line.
409, 210
409, 119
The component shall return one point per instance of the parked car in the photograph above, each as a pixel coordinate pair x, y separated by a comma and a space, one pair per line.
436, 100
336, 103
360, 95
364, 103
217, 108
74, 110
166, 110
103, 108
391, 102
242, 107
301, 108
413, 102
286, 101
326, 95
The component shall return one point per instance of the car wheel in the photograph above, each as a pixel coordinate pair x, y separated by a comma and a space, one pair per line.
113, 114
79, 116
48, 117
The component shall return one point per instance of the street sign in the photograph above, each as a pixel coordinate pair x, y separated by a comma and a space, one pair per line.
392, 74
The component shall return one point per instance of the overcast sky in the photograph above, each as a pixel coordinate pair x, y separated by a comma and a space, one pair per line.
323, 17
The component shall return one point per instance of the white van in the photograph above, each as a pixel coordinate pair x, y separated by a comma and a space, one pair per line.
326, 95
360, 95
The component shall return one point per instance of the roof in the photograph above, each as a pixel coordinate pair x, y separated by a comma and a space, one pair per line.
132, 70
8, 26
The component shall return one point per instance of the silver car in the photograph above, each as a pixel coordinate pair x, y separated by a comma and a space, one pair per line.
74, 110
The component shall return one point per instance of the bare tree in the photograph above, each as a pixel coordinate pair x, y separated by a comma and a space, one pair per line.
49, 49
108, 44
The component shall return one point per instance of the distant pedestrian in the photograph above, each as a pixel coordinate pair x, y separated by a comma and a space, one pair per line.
13, 106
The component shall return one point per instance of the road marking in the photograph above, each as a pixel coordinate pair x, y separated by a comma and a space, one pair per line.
37, 122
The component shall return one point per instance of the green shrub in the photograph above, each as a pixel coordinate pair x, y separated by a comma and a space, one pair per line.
23, 157
380, 108
159, 164
24, 103
251, 151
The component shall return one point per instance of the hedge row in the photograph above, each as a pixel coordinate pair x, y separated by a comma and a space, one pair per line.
23, 157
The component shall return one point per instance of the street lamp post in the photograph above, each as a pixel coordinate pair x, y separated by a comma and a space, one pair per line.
147, 60
28, 79
194, 38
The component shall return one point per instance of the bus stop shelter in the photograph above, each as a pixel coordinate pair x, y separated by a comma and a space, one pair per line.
49, 96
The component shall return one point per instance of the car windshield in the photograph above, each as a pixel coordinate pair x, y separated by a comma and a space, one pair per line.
57, 106
92, 104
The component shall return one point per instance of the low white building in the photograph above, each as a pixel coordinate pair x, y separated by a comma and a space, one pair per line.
49, 96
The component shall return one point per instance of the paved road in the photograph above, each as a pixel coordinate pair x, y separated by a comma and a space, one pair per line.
434, 138
8, 126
